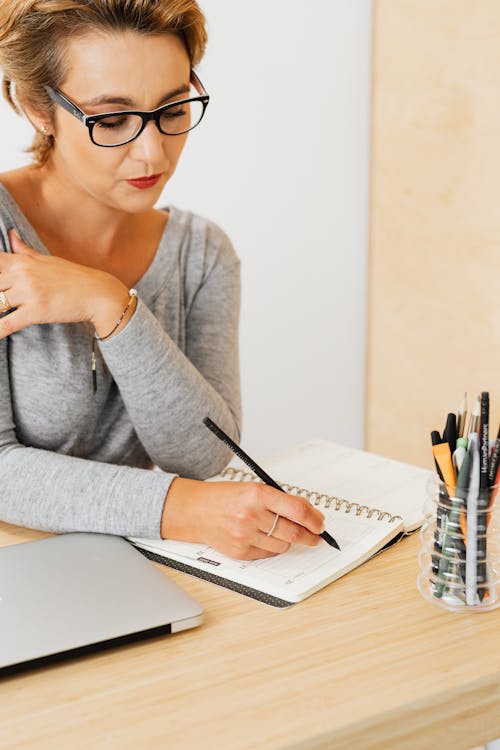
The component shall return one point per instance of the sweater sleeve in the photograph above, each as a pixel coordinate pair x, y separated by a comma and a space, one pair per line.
46, 490
167, 392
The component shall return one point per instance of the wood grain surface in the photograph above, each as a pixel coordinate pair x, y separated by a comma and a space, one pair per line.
364, 664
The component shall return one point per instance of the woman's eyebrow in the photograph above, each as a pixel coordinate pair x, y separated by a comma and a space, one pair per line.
127, 102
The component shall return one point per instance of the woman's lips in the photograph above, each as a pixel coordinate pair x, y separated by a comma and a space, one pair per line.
144, 182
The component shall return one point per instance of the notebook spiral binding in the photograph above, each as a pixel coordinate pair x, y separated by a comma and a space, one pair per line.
314, 497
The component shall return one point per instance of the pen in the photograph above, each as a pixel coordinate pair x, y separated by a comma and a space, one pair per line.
256, 468
495, 461
454, 529
460, 453
443, 496
475, 417
494, 476
471, 541
483, 499
462, 416
436, 440
452, 541
463, 481
442, 454
450, 431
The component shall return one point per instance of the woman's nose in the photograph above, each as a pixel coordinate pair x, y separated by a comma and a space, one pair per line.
149, 146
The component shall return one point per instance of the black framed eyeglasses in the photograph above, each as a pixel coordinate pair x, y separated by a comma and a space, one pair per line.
118, 128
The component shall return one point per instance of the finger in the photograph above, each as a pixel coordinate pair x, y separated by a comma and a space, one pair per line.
6, 260
296, 509
10, 293
5, 278
18, 246
258, 553
12, 322
270, 544
5, 283
289, 532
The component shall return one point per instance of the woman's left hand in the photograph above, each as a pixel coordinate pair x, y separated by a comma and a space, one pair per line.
47, 289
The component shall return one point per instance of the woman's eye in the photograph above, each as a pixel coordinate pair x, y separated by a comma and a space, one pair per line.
112, 122
172, 114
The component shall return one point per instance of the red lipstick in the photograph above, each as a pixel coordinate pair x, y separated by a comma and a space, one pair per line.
145, 182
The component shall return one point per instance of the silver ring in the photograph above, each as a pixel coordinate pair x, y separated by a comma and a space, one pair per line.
4, 302
271, 531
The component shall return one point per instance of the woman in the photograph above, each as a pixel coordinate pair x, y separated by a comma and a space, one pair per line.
119, 332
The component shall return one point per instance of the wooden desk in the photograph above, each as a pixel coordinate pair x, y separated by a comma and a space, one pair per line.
365, 664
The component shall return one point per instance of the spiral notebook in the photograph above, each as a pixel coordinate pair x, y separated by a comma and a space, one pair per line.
368, 501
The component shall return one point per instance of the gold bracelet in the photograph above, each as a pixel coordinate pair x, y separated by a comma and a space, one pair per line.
95, 337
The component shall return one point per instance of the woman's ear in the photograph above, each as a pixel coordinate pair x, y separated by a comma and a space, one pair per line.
41, 123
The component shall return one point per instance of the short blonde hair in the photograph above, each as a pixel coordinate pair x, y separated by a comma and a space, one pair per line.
32, 33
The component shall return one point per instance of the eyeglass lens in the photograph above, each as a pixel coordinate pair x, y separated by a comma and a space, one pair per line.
116, 129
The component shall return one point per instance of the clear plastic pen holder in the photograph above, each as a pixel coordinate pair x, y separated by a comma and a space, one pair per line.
459, 557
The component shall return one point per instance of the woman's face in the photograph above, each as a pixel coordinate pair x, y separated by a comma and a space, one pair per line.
108, 72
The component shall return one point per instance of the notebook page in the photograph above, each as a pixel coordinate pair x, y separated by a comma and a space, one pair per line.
298, 572
366, 478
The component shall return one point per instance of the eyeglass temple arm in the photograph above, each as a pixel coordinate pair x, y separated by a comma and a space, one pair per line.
60, 99
198, 84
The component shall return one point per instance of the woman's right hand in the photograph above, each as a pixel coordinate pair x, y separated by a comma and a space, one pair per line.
235, 518
49, 289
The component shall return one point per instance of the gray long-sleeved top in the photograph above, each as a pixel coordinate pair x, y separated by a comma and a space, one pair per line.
72, 460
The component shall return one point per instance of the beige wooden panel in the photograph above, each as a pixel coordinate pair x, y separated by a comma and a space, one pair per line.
434, 283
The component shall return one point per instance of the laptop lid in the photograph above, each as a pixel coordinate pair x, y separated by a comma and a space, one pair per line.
74, 593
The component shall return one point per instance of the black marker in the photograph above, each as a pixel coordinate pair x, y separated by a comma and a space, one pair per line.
483, 500
256, 468
450, 432
436, 439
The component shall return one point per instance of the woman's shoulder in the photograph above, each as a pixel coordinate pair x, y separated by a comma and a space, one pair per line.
6, 192
9, 211
16, 182
13, 185
17, 197
200, 237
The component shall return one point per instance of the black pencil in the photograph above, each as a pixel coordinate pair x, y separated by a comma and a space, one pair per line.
256, 468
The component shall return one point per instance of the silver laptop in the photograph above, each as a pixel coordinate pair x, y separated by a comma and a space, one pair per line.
75, 593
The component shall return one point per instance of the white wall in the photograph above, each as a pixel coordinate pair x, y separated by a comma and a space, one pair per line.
281, 162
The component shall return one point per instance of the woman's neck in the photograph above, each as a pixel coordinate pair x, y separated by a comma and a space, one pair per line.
74, 226
66, 213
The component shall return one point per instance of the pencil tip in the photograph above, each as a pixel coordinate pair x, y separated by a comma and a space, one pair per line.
329, 539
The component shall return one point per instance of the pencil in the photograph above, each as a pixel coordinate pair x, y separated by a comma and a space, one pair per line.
256, 468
